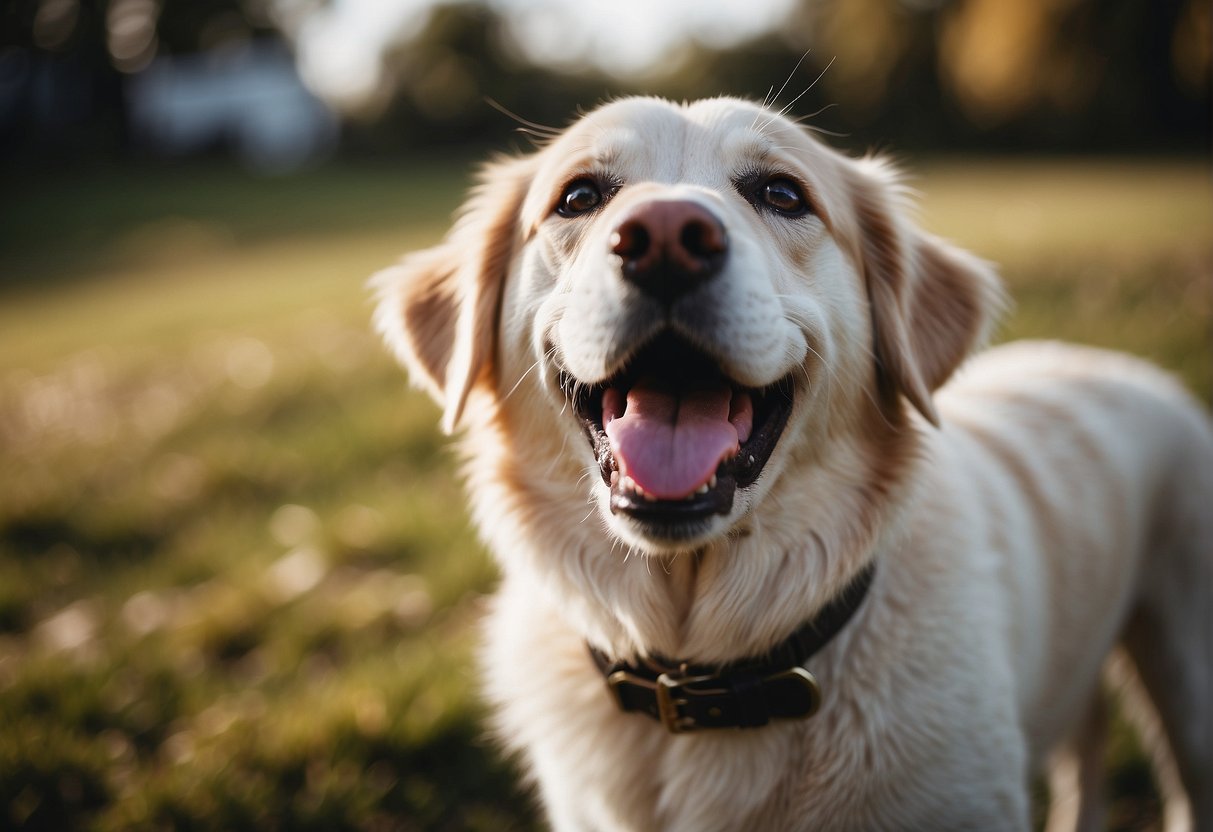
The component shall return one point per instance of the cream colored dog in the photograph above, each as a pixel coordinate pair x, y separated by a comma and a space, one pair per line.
699, 360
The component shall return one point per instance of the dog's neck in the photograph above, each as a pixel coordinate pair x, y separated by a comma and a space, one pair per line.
680, 575
733, 598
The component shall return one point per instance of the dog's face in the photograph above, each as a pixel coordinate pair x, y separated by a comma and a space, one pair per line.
690, 299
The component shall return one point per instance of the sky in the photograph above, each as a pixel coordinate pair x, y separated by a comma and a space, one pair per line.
340, 44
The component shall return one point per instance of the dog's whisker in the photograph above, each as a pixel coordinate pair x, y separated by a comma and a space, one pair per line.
788, 80
530, 126
820, 75
522, 378
812, 128
830, 376
589, 473
796, 319
800, 120
564, 443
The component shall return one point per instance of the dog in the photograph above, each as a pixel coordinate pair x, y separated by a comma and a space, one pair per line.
762, 568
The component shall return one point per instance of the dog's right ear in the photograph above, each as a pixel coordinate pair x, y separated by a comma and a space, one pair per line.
438, 309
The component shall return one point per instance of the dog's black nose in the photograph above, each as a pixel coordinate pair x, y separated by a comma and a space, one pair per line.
669, 247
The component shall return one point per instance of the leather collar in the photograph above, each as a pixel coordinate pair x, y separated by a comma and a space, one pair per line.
743, 694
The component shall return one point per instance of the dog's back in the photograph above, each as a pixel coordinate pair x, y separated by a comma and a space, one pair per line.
1096, 471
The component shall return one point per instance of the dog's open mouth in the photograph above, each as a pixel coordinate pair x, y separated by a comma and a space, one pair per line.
673, 436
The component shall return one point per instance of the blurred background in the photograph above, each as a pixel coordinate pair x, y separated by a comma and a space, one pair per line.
237, 586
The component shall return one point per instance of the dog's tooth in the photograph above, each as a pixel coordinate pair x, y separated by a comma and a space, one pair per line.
751, 459
712, 482
703, 489
614, 478
632, 484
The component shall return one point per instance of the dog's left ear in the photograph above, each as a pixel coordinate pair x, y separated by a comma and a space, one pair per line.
931, 303
438, 309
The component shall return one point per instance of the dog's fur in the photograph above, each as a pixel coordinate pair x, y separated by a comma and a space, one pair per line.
1045, 506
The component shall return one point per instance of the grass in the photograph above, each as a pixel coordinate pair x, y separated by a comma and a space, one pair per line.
236, 587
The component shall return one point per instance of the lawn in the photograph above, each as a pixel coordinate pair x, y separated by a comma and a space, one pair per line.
237, 589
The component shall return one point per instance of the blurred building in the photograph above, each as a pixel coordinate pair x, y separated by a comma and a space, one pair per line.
247, 97
83, 81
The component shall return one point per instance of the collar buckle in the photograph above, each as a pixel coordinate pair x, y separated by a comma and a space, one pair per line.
743, 694
671, 693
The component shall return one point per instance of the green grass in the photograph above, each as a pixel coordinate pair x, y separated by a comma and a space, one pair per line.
237, 589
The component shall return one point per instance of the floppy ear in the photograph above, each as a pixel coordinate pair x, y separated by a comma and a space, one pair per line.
438, 309
931, 303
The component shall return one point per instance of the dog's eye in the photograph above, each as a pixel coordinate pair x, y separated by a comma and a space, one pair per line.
579, 196
774, 192
785, 197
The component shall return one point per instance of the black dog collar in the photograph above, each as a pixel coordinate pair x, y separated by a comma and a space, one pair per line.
742, 694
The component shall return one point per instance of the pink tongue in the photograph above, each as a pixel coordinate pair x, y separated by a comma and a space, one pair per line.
670, 443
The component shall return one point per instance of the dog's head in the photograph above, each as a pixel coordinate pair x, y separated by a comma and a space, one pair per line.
690, 302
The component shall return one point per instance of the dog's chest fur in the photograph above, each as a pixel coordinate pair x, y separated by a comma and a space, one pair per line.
601, 769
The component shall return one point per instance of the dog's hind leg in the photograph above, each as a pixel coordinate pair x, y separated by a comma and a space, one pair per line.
1170, 638
1077, 791
1175, 722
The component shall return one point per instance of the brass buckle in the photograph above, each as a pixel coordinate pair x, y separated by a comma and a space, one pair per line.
807, 680
668, 706
664, 689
